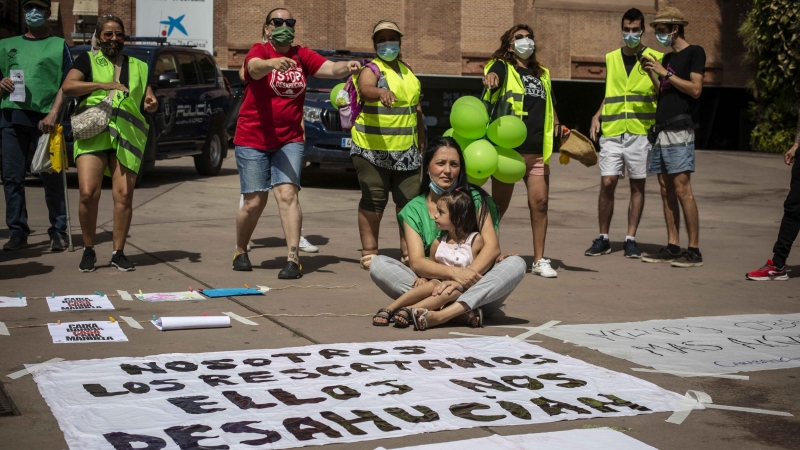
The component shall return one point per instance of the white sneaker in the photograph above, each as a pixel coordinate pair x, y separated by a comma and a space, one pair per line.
543, 269
306, 246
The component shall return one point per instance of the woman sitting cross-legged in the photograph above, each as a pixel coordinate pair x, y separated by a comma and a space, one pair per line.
484, 283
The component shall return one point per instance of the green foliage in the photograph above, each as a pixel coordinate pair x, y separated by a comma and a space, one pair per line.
771, 35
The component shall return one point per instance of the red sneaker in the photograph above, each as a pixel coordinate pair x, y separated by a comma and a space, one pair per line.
768, 273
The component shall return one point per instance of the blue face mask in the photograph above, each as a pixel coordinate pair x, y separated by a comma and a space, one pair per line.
439, 191
388, 51
35, 18
632, 39
664, 39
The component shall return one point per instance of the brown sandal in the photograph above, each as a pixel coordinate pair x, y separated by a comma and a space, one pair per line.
366, 261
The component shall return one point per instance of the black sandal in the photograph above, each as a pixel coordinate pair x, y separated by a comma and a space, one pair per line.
381, 314
405, 318
473, 323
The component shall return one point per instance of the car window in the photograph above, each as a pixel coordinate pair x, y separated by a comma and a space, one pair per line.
165, 63
207, 68
188, 69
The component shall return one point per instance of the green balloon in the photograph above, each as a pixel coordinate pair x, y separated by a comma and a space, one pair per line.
472, 101
510, 165
468, 121
334, 93
477, 181
448, 133
462, 141
507, 131
481, 159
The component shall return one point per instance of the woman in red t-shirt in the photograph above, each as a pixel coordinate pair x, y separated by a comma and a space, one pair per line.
269, 134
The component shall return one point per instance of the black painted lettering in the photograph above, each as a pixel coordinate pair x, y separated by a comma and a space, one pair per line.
304, 428
329, 353
464, 410
554, 408
300, 372
570, 382
181, 366
527, 382
469, 362
244, 402
257, 377
400, 389
123, 441
219, 364
489, 384
244, 427
170, 382
326, 370
183, 437
257, 362
615, 401
289, 399
98, 390
411, 350
193, 405
516, 410
293, 357
432, 364
361, 367
428, 415
137, 388
133, 369
400, 364
363, 416
345, 394
753, 343
506, 360
216, 380
372, 351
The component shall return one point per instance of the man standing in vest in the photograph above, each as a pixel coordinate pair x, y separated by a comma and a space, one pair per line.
32, 67
628, 110
680, 83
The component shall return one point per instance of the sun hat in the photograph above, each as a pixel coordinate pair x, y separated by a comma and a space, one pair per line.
670, 16
43, 3
386, 25
580, 148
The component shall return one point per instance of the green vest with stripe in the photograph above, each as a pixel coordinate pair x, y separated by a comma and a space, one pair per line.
127, 130
41, 61
390, 129
513, 92
630, 103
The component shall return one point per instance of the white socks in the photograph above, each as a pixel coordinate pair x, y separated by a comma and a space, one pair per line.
604, 236
630, 238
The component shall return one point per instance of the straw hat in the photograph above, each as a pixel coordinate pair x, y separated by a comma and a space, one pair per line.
386, 25
670, 16
580, 148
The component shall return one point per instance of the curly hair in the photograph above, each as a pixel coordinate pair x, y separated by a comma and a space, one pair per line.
504, 54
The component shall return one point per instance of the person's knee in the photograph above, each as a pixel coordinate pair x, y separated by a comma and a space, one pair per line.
684, 190
123, 197
378, 266
254, 202
539, 205
515, 266
286, 194
608, 185
89, 195
373, 205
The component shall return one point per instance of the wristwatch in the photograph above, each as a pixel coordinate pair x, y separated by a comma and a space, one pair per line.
668, 75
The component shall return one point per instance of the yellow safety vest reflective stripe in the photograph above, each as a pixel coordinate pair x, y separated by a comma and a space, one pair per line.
390, 129
630, 102
513, 92
127, 129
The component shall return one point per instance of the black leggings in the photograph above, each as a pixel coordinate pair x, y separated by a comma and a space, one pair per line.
790, 224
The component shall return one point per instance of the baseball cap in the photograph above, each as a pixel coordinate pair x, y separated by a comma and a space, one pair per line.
382, 25
43, 3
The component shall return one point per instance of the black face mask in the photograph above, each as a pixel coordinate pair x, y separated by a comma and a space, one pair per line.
111, 48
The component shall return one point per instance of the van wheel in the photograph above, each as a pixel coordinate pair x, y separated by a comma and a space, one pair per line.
209, 162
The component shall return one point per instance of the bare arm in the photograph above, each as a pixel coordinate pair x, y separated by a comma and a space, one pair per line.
421, 128
434, 247
259, 68
339, 69
692, 87
422, 266
594, 129
74, 86
490, 250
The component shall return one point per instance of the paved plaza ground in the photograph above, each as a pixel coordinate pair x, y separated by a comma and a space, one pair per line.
183, 235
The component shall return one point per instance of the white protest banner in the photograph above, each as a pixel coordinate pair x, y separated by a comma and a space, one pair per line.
182, 22
589, 439
13, 302
710, 345
170, 296
78, 303
331, 393
82, 332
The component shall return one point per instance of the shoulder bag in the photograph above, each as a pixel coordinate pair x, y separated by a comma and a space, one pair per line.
94, 120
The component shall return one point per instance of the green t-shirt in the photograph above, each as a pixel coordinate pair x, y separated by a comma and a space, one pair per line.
416, 215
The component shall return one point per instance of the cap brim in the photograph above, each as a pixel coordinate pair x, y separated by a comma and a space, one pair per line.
38, 3
390, 29
669, 22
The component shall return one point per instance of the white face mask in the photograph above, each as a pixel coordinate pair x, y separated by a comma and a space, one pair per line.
524, 47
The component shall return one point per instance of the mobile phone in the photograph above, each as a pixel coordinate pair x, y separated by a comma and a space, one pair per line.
639, 55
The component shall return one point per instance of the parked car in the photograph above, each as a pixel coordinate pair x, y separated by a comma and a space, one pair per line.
326, 143
193, 101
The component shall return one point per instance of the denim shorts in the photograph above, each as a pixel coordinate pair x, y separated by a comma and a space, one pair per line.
673, 152
260, 171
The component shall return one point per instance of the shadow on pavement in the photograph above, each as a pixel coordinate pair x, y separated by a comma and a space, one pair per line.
22, 270
153, 258
274, 242
310, 263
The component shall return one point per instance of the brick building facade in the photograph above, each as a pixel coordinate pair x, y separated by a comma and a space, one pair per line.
452, 37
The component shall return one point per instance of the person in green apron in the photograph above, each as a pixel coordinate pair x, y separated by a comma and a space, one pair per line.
117, 151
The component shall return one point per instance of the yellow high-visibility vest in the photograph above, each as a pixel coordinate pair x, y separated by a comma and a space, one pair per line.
513, 92
631, 100
390, 129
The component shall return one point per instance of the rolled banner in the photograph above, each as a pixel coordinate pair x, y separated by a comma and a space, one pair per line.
184, 323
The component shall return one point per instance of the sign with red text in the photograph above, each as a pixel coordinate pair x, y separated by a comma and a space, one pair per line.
331, 393
78, 303
83, 332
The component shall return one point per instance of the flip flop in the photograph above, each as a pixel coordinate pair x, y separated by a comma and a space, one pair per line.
479, 315
422, 319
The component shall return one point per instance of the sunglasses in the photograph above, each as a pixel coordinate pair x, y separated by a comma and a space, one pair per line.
278, 22
522, 36
112, 34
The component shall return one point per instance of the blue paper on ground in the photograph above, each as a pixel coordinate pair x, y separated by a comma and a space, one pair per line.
231, 292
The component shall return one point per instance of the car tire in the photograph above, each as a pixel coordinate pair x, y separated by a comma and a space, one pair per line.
149, 160
209, 162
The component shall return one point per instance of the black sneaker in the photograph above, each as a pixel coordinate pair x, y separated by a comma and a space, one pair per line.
688, 259
632, 250
57, 244
662, 256
119, 261
600, 246
16, 242
88, 260
291, 271
241, 262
